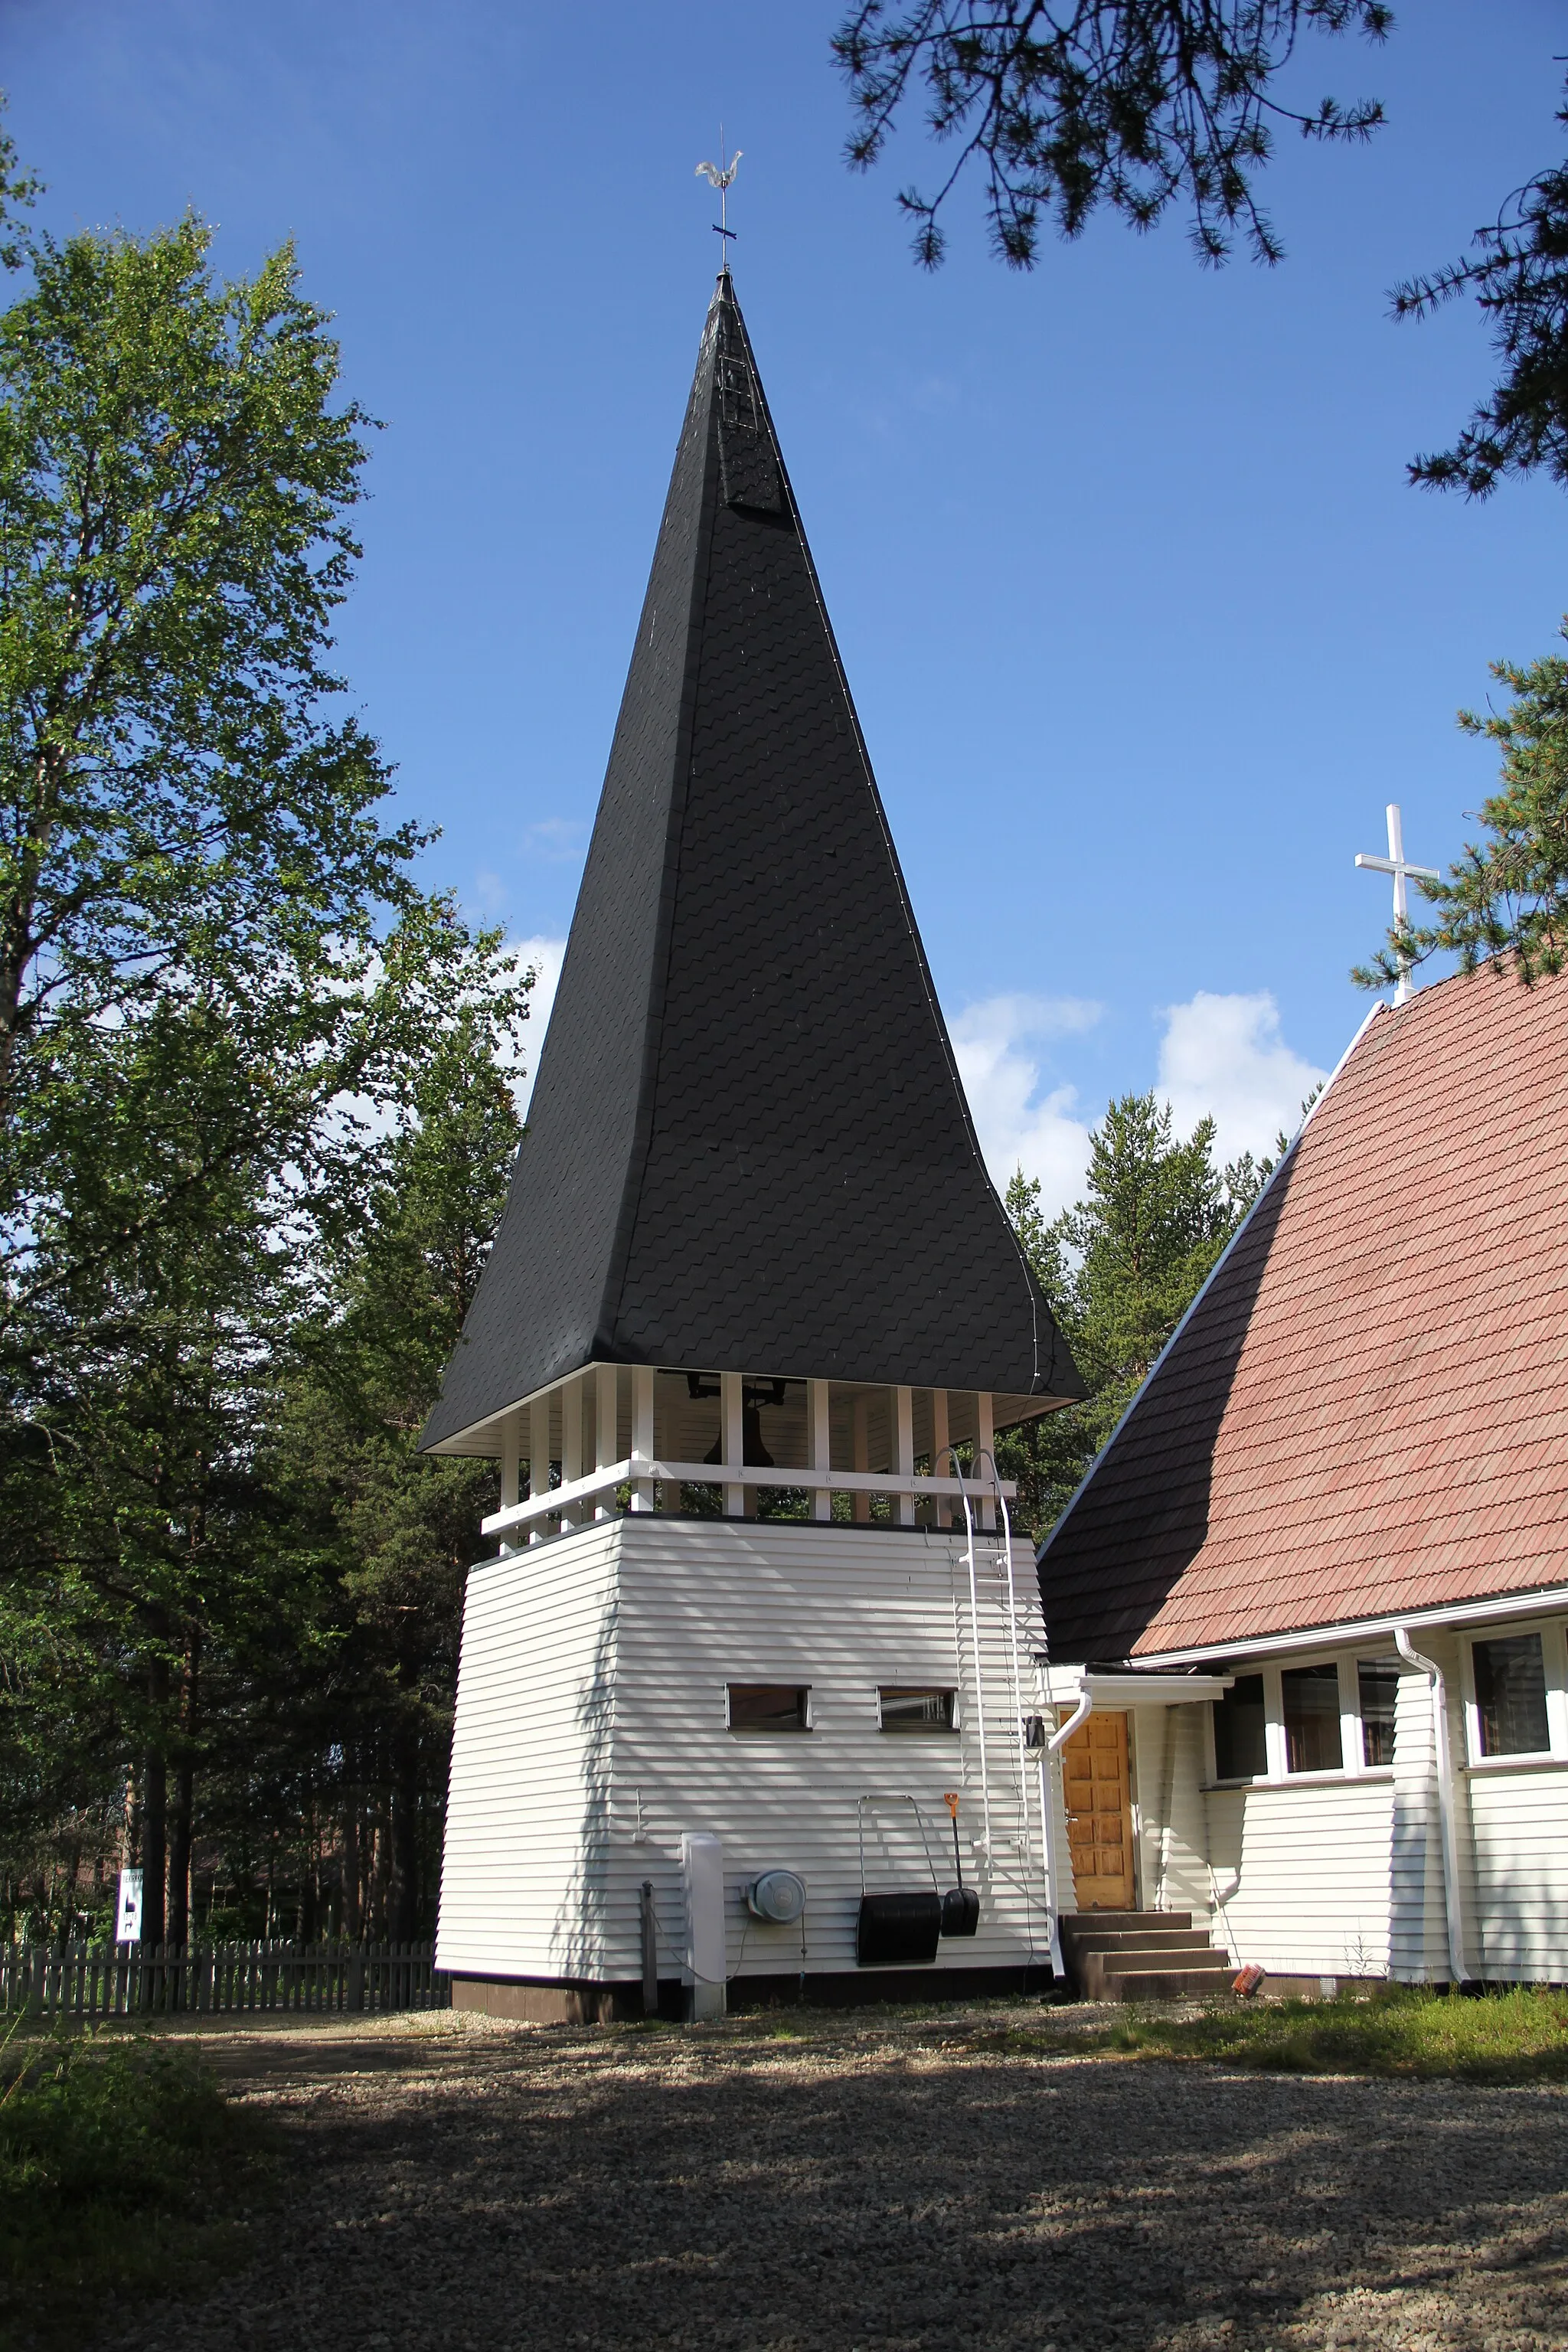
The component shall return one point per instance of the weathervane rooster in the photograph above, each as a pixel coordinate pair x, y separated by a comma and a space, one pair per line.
721, 175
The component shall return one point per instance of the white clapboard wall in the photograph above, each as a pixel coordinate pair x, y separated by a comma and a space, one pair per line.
591, 1732
1342, 1874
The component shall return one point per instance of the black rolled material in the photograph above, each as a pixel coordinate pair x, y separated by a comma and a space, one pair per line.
960, 1911
897, 1930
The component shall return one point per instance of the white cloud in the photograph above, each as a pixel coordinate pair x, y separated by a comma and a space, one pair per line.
490, 894
543, 957
1224, 1057
996, 1042
558, 838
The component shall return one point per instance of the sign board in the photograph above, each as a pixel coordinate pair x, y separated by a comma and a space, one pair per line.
127, 1912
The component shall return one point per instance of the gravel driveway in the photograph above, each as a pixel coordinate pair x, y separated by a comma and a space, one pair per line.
905, 2185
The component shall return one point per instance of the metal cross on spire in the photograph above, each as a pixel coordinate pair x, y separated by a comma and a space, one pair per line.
722, 176
1396, 863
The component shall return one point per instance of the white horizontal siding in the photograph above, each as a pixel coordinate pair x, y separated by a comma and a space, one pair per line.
1519, 1821
1169, 1766
844, 1612
521, 1877
1302, 1875
591, 1732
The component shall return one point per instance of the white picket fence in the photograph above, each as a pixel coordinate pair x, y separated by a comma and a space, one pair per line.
86, 1981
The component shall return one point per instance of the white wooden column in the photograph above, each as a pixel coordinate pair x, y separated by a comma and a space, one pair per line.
862, 1460
605, 1416
642, 1431
571, 1440
985, 1443
732, 1435
538, 1460
819, 1442
940, 1466
510, 1459
904, 1452
510, 1436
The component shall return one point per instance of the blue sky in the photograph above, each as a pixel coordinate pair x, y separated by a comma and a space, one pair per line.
1144, 623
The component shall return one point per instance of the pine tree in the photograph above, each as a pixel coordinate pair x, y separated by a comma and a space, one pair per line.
1121, 1268
1505, 902
402, 1530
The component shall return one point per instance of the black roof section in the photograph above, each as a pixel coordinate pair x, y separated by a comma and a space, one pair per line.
748, 1149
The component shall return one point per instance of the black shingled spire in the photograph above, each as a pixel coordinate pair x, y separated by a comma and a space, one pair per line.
748, 1149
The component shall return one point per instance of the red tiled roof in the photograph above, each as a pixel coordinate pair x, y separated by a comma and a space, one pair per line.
1368, 1409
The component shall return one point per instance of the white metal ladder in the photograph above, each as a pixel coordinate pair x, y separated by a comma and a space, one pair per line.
1002, 1566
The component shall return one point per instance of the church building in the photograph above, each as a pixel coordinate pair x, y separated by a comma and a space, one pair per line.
1344, 1492
752, 1694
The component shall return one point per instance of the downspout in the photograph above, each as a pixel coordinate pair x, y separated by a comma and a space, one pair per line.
1080, 1716
1449, 1834
1053, 1746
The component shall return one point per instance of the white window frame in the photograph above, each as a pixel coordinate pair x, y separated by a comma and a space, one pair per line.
1356, 1745
1211, 1758
1353, 1764
949, 1690
770, 1682
1279, 1756
1554, 1664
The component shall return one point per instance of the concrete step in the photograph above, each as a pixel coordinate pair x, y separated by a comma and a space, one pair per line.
1156, 1955
1138, 1939
1072, 1921
1161, 1984
1142, 1955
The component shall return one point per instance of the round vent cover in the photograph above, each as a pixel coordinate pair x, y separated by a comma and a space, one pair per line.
777, 1896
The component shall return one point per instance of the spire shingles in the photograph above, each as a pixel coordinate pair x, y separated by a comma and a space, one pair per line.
748, 1149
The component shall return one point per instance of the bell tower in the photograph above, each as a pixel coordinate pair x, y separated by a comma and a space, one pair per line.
752, 1320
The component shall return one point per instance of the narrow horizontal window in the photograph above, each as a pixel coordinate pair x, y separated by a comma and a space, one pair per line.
1511, 1696
1312, 1703
765, 1708
917, 1710
1240, 1746
1378, 1682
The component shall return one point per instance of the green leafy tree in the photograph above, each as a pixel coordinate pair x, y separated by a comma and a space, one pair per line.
1505, 901
183, 1586
185, 811
1120, 1267
404, 1529
220, 992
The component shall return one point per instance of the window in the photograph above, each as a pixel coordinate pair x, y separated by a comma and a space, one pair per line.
1312, 1707
917, 1710
1378, 1680
1511, 1696
768, 1707
1240, 1749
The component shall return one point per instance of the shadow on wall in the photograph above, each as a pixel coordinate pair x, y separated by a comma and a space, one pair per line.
1114, 1560
1418, 1941
1518, 1907
578, 1939
674, 1634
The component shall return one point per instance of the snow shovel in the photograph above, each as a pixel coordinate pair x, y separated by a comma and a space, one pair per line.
961, 1904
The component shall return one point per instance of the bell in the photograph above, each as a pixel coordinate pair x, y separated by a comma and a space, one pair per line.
755, 1455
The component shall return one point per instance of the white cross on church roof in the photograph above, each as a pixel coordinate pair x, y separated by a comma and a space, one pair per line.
1396, 863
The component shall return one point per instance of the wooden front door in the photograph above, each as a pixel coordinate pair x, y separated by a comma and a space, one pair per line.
1100, 1814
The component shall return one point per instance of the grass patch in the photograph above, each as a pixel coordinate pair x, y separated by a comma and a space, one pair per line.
123, 2171
1518, 2036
